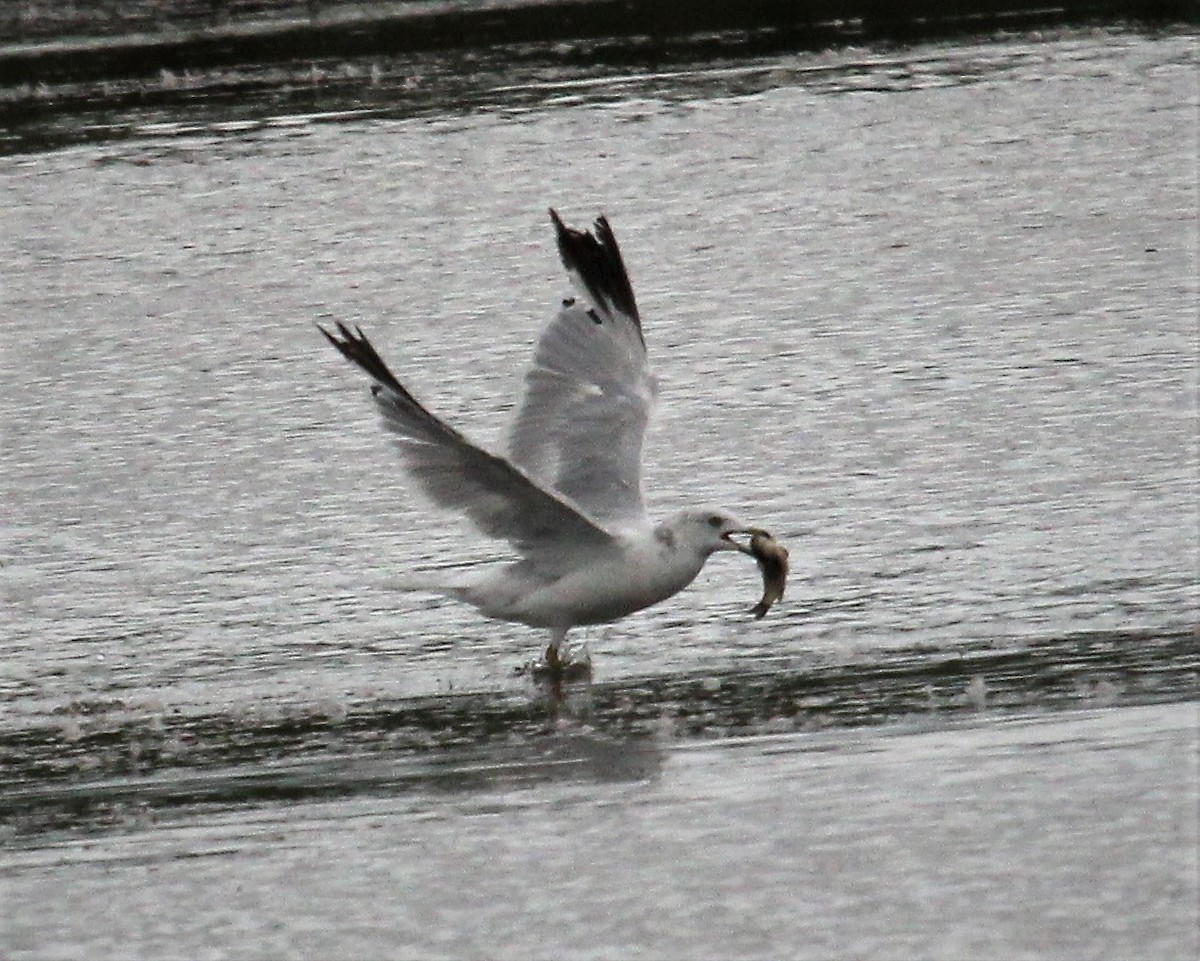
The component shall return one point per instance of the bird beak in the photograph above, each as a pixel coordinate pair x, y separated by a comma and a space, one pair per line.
727, 537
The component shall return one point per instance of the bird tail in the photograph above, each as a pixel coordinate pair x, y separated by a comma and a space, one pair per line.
423, 584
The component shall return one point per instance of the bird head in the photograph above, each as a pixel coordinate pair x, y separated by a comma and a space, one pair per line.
710, 529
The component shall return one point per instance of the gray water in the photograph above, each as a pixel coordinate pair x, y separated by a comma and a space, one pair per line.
927, 315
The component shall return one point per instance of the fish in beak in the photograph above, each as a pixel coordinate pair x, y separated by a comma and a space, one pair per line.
772, 558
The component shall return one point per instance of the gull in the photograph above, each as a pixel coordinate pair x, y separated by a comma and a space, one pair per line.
568, 497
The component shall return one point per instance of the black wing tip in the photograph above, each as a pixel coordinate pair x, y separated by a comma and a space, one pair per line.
600, 225
596, 258
572, 243
345, 340
356, 348
572, 239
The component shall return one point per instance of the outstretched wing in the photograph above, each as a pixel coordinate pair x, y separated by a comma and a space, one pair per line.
590, 391
498, 497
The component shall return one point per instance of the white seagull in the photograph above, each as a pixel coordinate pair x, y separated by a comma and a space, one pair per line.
568, 498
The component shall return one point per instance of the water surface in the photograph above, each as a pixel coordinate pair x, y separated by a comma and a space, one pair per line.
928, 315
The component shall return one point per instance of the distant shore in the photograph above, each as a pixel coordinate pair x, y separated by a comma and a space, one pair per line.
42, 42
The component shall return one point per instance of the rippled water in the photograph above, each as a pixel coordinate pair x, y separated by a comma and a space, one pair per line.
929, 316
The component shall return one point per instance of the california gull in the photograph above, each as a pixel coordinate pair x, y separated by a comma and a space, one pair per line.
568, 497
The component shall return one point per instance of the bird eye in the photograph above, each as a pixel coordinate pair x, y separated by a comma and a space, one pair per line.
714, 520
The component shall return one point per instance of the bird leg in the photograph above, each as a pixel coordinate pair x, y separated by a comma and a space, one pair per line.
554, 659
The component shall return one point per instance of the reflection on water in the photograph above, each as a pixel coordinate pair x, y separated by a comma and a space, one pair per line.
1052, 835
94, 756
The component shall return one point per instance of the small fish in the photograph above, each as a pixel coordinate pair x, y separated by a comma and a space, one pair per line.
772, 558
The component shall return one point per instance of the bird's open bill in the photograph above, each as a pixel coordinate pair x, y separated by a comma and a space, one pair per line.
745, 548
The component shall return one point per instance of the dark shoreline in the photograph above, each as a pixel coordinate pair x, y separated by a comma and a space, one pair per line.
634, 29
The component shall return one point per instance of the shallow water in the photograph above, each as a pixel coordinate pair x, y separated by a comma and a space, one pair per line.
1055, 835
929, 316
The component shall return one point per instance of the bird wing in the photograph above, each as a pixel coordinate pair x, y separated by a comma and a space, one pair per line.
502, 500
589, 393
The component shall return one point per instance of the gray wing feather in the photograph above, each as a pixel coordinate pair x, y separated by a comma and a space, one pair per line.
502, 500
590, 391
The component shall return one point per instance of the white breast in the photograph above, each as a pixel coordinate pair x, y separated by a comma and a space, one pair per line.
646, 571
